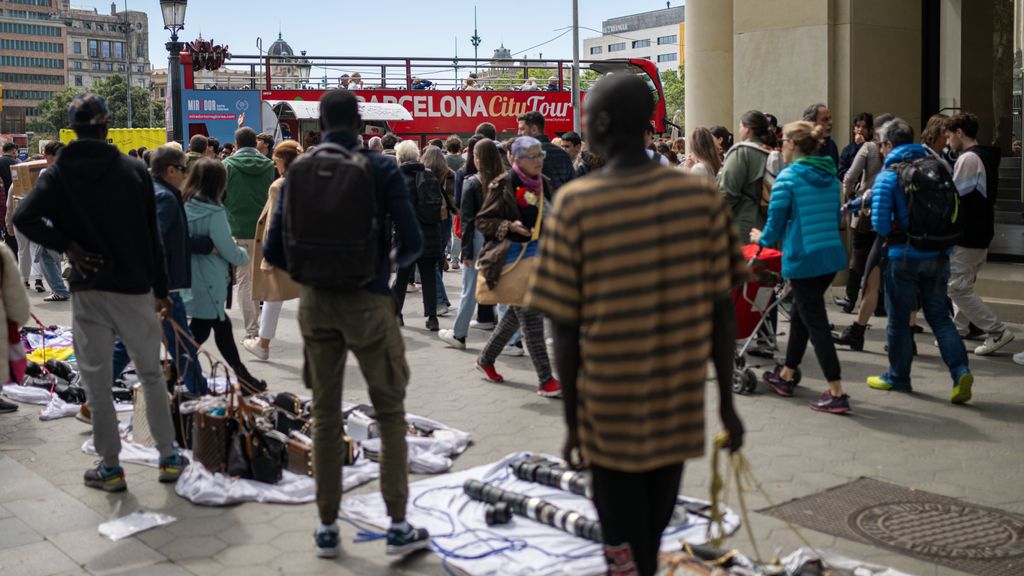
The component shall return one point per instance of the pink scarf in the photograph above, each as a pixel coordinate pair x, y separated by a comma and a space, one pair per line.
533, 184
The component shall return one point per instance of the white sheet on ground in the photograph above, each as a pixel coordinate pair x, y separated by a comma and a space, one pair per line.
54, 406
801, 556
519, 548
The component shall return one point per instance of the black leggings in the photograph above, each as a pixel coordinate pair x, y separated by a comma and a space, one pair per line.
634, 509
809, 321
222, 335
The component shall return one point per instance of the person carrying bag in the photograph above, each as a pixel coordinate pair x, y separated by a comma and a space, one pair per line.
510, 222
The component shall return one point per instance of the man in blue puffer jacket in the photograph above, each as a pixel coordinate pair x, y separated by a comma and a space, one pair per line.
911, 271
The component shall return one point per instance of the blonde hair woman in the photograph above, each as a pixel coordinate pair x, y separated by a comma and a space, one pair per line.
270, 285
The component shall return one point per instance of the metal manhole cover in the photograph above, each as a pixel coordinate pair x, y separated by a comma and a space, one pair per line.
930, 527
944, 530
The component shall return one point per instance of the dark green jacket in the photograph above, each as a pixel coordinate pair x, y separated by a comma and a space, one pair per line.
250, 175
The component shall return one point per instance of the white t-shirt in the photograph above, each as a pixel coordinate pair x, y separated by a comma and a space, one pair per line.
969, 175
663, 160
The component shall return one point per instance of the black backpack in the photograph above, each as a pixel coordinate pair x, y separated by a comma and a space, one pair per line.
429, 201
332, 235
933, 204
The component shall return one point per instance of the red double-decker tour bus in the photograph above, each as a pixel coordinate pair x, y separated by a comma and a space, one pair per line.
442, 96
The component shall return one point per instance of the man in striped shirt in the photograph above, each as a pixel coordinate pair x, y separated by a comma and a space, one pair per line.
636, 270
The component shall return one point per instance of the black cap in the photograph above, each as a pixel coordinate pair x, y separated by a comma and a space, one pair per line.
88, 110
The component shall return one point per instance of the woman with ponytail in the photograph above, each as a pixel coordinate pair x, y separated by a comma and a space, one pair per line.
804, 213
741, 178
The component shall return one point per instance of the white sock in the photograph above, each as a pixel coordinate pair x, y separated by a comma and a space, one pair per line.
401, 526
332, 527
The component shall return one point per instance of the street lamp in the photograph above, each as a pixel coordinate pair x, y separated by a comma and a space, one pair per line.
174, 19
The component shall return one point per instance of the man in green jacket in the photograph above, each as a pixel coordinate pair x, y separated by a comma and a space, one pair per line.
250, 175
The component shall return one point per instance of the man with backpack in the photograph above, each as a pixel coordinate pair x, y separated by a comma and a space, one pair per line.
329, 233
976, 176
914, 207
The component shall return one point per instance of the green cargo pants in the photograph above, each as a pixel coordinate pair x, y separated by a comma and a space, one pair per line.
333, 323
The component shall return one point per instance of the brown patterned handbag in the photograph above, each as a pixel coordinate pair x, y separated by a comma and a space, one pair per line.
211, 435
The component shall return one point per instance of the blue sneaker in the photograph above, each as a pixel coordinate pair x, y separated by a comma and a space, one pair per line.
171, 468
326, 542
108, 479
402, 542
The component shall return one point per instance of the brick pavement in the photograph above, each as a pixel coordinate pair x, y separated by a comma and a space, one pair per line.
48, 518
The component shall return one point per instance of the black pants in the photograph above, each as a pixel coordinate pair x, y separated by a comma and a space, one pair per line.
634, 509
809, 321
222, 335
428, 282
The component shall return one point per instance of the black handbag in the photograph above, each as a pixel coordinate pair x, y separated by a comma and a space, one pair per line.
256, 454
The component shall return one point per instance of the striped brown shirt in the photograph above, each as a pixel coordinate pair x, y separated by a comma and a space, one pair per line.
638, 260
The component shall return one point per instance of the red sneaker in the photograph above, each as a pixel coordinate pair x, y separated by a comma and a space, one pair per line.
490, 374
550, 389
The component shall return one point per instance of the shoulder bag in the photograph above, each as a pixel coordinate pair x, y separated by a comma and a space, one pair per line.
515, 276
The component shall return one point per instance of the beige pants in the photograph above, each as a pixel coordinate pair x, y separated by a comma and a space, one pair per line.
968, 307
243, 278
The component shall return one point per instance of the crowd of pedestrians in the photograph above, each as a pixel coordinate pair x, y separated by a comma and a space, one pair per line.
616, 254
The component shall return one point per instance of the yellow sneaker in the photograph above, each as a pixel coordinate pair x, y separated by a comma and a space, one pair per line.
879, 383
962, 390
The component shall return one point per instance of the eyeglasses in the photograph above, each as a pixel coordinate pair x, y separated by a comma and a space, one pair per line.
539, 156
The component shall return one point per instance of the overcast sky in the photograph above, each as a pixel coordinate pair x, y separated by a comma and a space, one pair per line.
406, 28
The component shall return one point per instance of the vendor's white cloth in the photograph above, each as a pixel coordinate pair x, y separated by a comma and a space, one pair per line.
521, 547
54, 406
801, 556
431, 455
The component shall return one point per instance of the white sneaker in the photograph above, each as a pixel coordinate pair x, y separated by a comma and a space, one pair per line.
991, 345
1019, 358
448, 337
254, 348
443, 310
512, 350
481, 325
412, 288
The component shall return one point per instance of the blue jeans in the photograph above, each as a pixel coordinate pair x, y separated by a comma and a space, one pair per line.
467, 301
49, 263
442, 294
904, 279
186, 359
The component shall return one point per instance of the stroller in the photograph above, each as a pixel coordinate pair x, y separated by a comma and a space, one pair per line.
756, 302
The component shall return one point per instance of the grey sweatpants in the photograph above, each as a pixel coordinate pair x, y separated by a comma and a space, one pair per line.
97, 317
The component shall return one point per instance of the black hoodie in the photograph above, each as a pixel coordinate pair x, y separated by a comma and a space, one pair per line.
104, 201
977, 211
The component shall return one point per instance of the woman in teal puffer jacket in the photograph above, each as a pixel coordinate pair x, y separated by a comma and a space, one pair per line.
203, 192
804, 213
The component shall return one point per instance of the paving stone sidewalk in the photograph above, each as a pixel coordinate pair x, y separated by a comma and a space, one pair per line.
48, 518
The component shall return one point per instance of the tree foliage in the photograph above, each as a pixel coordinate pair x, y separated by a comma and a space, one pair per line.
673, 84
54, 110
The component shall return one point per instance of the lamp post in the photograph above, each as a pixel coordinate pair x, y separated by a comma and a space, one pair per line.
173, 12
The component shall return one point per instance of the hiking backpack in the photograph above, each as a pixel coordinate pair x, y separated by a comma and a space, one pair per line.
332, 235
429, 202
933, 204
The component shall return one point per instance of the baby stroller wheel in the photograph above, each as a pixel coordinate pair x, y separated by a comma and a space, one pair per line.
738, 382
749, 381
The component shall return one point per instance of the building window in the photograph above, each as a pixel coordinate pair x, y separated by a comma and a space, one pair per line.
78, 65
96, 66
121, 67
118, 50
78, 47
141, 69
668, 39
99, 26
668, 57
109, 66
596, 50
78, 80
617, 47
105, 49
94, 50
138, 50
641, 44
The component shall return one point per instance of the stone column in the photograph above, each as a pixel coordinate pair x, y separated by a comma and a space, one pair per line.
708, 64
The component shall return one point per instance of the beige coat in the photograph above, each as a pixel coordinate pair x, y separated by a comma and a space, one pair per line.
269, 284
15, 306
